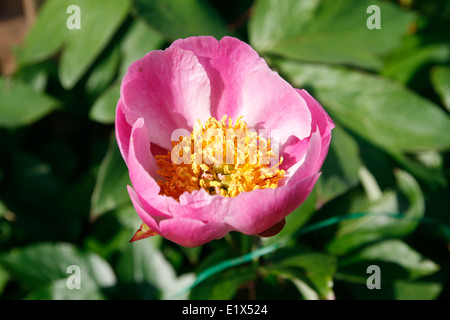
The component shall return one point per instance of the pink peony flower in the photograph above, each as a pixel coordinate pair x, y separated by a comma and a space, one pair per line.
223, 85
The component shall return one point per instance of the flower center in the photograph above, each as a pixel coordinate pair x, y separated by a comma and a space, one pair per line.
220, 157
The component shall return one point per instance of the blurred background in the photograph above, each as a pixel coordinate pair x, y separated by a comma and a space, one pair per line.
383, 198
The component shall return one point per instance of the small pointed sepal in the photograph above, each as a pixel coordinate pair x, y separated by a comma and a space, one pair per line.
143, 232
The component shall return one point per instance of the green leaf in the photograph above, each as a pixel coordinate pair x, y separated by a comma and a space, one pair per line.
80, 46
3, 209
370, 185
143, 263
306, 291
411, 57
5, 227
378, 224
84, 45
216, 279
340, 169
379, 110
48, 206
273, 21
57, 290
411, 190
182, 18
295, 220
223, 286
139, 40
315, 269
4, 277
51, 20
20, 105
325, 31
416, 290
394, 283
36, 75
110, 188
128, 218
112, 231
104, 108
104, 72
441, 81
432, 176
40, 264
397, 252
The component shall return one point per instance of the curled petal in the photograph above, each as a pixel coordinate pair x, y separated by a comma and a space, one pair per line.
143, 172
320, 117
302, 157
123, 131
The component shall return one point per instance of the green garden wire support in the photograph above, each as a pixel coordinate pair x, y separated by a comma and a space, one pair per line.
202, 276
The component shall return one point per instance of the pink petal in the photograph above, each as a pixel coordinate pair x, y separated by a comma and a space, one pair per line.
270, 102
322, 120
294, 150
149, 215
227, 62
319, 116
200, 205
256, 211
310, 163
184, 231
169, 89
142, 164
123, 131
318, 143
190, 232
143, 170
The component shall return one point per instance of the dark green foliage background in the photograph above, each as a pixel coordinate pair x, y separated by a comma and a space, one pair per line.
63, 198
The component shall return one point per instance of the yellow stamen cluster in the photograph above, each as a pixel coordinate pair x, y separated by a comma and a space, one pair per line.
221, 158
